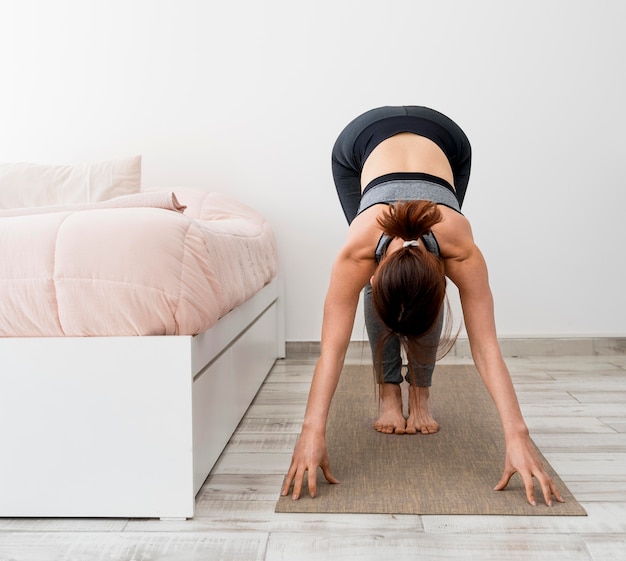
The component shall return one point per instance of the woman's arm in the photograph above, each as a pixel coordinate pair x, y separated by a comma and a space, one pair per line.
351, 272
466, 267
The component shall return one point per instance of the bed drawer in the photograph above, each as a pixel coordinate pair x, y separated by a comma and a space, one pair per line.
225, 389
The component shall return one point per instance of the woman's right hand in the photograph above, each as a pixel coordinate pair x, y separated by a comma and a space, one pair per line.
352, 269
309, 454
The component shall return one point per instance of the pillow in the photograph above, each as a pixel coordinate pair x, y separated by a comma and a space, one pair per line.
27, 185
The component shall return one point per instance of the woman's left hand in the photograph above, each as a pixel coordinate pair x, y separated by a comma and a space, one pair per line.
522, 458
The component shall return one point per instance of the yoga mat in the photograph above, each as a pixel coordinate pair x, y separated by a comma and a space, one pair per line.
451, 472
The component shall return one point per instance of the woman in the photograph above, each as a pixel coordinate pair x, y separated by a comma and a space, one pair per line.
401, 175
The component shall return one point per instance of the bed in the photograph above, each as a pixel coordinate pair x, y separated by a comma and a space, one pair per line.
135, 331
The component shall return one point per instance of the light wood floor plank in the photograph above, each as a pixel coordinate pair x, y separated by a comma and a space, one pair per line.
244, 487
616, 423
578, 424
574, 410
259, 516
253, 463
282, 547
289, 412
264, 442
605, 491
547, 398
258, 425
570, 464
576, 442
606, 548
86, 546
602, 518
573, 364
61, 525
595, 396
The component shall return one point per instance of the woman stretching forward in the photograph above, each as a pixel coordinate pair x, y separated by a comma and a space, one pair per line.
401, 174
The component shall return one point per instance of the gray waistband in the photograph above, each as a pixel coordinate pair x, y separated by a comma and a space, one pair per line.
408, 190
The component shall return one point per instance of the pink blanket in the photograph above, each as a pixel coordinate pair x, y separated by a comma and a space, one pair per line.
121, 269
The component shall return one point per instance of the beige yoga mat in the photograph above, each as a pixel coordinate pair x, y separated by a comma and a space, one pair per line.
451, 472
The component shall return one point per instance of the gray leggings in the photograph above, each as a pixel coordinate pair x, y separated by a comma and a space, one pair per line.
391, 357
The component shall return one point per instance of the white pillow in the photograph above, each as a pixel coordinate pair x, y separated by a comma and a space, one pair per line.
26, 185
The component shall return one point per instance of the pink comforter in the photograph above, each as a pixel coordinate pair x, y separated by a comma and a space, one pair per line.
116, 270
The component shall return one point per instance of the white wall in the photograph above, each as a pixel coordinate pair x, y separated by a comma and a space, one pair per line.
247, 97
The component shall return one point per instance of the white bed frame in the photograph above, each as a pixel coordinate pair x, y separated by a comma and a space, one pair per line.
128, 426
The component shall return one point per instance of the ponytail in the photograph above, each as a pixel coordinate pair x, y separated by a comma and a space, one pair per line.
410, 220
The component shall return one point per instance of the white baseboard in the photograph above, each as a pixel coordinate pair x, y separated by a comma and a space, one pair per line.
511, 347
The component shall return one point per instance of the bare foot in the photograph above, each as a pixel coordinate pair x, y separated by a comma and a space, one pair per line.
390, 418
420, 419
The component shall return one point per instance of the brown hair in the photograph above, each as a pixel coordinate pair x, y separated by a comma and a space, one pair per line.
409, 289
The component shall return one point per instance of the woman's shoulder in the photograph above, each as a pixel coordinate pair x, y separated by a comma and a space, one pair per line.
454, 234
365, 231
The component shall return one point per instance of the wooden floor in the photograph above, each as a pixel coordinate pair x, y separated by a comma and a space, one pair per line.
575, 406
